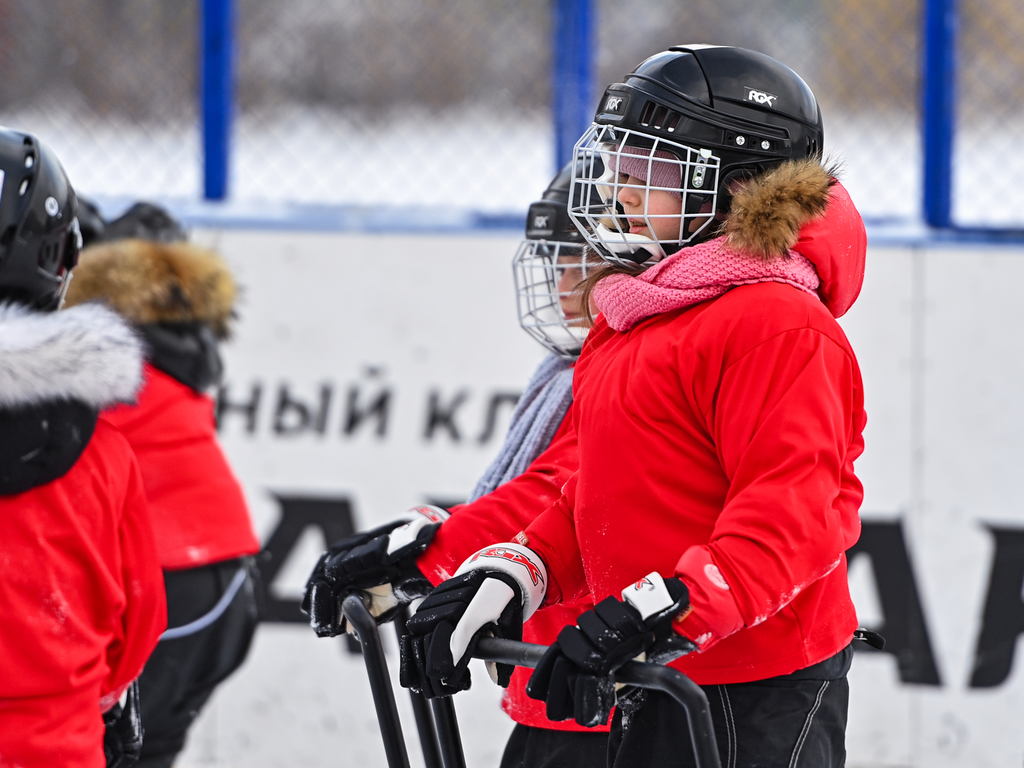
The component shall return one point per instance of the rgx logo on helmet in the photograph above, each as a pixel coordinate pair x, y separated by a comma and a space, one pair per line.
614, 104
760, 97
541, 222
515, 557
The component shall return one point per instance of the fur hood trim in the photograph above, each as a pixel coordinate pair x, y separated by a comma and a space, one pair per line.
149, 282
769, 211
87, 354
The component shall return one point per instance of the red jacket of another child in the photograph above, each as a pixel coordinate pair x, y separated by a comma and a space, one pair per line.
198, 510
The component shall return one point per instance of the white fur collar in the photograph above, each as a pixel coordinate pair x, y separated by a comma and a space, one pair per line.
87, 353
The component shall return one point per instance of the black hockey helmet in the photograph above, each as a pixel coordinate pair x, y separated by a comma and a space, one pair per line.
548, 218
142, 221
39, 234
694, 119
145, 221
90, 221
551, 261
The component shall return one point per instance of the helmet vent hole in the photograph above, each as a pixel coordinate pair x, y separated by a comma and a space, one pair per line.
30, 160
649, 109
23, 188
8, 236
659, 117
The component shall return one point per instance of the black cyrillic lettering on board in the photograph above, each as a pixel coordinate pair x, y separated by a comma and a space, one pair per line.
291, 416
441, 416
326, 393
1003, 619
497, 400
377, 407
250, 409
332, 516
904, 627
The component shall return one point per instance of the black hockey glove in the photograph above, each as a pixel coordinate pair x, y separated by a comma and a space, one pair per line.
379, 564
122, 737
491, 595
575, 675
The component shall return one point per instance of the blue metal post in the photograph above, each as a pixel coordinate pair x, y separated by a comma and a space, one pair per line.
573, 78
939, 109
217, 44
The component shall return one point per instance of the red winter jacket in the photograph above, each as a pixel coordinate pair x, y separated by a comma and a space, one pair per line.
82, 605
198, 510
717, 441
498, 516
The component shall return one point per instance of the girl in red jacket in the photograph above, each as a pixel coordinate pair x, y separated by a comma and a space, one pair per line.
401, 560
82, 605
718, 410
180, 298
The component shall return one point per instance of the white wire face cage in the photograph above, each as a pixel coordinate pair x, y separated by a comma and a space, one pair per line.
546, 273
642, 235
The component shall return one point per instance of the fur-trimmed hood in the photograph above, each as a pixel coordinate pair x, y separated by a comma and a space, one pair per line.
88, 354
148, 282
800, 206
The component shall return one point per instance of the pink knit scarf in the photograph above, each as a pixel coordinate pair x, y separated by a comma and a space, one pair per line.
693, 275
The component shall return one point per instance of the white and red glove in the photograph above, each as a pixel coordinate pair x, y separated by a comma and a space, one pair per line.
491, 594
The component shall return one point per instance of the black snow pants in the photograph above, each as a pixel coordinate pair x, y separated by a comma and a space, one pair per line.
530, 747
791, 721
212, 612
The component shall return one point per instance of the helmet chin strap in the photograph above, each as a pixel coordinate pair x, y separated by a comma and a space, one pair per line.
626, 248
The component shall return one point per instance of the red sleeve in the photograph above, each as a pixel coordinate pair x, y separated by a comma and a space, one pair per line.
145, 613
787, 424
504, 512
553, 537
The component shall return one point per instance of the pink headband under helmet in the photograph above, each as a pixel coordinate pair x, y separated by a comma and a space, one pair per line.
635, 161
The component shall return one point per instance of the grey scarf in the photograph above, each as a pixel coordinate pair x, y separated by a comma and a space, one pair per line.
535, 420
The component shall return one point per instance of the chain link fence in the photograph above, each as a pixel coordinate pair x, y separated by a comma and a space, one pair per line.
407, 103
110, 86
989, 148
446, 103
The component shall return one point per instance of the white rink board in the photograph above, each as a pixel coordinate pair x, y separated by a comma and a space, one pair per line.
941, 346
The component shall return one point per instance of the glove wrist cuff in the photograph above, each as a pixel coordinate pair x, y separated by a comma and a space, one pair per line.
653, 600
520, 563
415, 536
